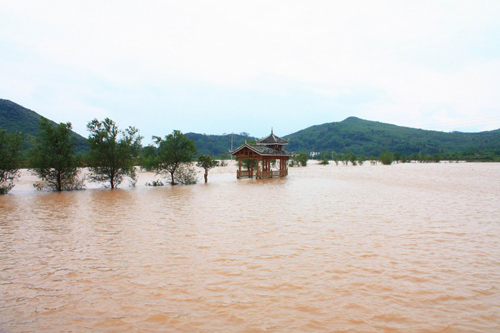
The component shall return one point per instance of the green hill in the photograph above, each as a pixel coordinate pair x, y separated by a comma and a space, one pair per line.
355, 135
217, 145
370, 138
15, 118
366, 137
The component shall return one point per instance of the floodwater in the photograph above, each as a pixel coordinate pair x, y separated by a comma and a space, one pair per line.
413, 247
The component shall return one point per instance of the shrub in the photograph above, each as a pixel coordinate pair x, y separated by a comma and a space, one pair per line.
185, 174
155, 183
386, 158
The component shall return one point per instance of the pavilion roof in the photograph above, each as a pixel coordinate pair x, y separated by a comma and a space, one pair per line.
272, 139
262, 150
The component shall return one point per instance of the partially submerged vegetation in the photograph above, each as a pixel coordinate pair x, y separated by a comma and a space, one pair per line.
56, 154
169, 154
113, 152
10, 155
206, 162
53, 158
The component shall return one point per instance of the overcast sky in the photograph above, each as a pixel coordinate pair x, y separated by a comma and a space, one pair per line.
218, 67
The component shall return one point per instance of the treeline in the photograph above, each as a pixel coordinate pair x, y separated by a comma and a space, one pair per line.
372, 138
112, 156
387, 158
467, 156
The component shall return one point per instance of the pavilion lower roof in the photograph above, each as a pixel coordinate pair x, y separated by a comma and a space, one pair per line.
261, 150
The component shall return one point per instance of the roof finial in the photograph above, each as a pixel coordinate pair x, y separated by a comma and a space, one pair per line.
271, 130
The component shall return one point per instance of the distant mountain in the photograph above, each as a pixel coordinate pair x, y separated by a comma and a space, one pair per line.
371, 138
16, 118
216, 145
363, 137
352, 134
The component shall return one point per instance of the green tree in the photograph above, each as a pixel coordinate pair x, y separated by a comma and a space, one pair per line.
10, 155
206, 162
173, 151
362, 159
249, 163
386, 158
53, 158
346, 157
336, 157
113, 152
301, 158
354, 159
397, 156
147, 158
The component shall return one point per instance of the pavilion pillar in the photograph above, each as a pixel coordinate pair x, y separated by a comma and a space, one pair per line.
239, 166
259, 174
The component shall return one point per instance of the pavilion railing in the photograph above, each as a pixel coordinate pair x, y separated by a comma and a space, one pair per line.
259, 174
265, 174
243, 174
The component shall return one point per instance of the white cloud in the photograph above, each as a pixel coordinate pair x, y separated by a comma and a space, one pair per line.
421, 58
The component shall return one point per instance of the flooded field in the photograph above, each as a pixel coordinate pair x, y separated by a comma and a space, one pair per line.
413, 247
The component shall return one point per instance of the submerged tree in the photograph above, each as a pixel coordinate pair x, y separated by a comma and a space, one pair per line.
301, 158
10, 154
113, 152
207, 162
147, 158
53, 158
173, 151
354, 159
186, 174
361, 159
386, 158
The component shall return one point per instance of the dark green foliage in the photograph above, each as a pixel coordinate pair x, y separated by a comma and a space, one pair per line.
300, 159
361, 159
324, 162
10, 154
371, 138
14, 118
490, 155
336, 157
224, 156
173, 151
217, 145
53, 158
206, 162
113, 152
147, 158
249, 163
397, 156
354, 159
386, 158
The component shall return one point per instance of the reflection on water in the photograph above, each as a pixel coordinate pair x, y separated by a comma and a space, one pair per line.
371, 248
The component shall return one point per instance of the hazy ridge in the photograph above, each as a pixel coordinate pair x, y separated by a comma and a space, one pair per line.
353, 134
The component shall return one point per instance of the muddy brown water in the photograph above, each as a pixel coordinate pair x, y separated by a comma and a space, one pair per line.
413, 247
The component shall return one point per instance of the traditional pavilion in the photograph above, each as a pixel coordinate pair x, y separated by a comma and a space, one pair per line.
264, 151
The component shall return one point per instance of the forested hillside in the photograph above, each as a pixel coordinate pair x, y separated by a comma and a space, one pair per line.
217, 145
14, 118
353, 135
370, 138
